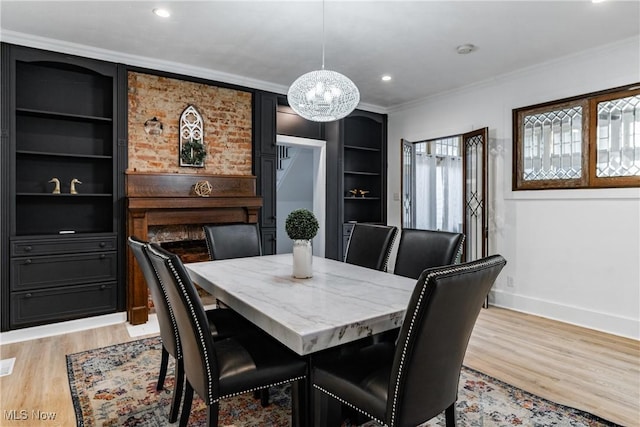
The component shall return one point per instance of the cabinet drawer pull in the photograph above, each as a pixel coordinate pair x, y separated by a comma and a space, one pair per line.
103, 244
102, 287
27, 262
28, 248
27, 296
102, 256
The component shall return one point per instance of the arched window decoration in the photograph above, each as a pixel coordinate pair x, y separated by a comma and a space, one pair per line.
192, 148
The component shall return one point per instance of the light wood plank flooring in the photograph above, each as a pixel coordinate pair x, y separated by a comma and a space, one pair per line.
586, 369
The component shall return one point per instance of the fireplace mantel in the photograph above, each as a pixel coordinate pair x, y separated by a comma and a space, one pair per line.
167, 199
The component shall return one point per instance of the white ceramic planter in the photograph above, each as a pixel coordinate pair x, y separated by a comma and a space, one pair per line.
302, 259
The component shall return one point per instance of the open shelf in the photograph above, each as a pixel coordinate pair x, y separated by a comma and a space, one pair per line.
58, 115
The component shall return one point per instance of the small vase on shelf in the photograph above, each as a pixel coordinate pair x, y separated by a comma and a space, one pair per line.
302, 226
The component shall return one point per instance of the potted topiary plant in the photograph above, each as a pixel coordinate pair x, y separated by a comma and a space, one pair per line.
302, 226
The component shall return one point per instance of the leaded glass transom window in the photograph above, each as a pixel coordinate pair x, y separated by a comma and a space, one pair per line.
585, 142
618, 149
553, 144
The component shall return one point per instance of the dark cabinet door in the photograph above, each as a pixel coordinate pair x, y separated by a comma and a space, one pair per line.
268, 190
266, 121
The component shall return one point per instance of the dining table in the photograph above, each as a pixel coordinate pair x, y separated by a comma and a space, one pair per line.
339, 304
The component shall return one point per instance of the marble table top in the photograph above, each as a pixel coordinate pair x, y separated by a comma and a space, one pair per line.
339, 304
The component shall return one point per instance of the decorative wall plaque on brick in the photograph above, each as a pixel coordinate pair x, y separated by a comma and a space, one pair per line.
192, 148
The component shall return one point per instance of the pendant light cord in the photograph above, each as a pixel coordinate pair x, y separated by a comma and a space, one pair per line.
323, 34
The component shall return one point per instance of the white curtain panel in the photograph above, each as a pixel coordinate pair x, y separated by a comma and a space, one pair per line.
438, 193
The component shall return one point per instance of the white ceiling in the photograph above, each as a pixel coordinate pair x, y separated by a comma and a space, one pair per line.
268, 44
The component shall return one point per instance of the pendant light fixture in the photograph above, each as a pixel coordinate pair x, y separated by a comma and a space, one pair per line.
323, 95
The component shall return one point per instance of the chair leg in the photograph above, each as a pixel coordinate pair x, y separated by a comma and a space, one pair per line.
186, 407
212, 415
164, 362
300, 412
327, 411
450, 415
177, 392
264, 397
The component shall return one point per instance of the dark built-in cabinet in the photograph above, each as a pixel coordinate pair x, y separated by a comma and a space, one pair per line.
60, 123
362, 171
364, 168
356, 159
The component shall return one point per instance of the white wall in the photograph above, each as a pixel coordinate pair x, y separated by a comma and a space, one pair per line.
572, 255
295, 192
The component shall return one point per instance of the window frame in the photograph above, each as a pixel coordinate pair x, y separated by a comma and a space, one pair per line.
588, 179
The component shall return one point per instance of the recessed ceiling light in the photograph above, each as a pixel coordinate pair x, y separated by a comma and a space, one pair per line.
163, 13
386, 78
598, 1
464, 49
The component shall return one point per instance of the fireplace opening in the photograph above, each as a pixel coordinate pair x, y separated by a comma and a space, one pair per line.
188, 250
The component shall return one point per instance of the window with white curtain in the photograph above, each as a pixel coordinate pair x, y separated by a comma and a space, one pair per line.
436, 183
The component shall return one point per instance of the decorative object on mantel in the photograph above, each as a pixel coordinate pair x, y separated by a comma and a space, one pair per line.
56, 190
323, 95
192, 148
363, 193
354, 192
74, 181
153, 127
302, 226
202, 188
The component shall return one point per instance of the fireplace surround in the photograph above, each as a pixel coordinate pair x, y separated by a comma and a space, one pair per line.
167, 199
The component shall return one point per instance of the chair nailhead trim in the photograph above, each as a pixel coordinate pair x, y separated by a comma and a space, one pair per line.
198, 326
386, 258
460, 246
455, 269
171, 315
166, 299
226, 396
338, 398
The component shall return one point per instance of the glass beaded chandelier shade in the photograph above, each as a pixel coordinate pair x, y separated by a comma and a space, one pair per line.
323, 95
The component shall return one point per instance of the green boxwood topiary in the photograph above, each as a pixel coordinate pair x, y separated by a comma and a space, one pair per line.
301, 224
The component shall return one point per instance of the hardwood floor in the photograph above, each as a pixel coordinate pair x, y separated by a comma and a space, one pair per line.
586, 369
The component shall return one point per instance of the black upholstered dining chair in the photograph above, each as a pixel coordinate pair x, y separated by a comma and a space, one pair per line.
226, 241
370, 245
409, 382
422, 249
222, 324
220, 369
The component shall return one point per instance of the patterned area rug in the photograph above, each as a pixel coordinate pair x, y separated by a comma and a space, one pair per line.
116, 386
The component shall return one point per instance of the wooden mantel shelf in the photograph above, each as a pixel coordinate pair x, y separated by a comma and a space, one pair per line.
167, 199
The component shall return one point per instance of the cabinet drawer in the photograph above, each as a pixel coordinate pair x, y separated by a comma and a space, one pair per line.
62, 245
51, 271
44, 306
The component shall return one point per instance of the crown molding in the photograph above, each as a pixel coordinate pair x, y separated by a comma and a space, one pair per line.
137, 61
44, 43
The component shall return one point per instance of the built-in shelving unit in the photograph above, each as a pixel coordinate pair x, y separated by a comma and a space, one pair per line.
364, 155
63, 247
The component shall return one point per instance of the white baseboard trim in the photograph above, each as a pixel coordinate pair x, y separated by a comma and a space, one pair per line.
61, 328
600, 321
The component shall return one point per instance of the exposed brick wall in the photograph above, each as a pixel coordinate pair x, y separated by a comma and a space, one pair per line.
226, 114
